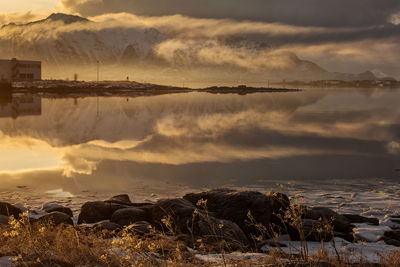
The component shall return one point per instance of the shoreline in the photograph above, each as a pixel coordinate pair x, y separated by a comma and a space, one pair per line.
244, 215
125, 88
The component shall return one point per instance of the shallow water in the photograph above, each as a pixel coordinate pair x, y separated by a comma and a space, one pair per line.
337, 148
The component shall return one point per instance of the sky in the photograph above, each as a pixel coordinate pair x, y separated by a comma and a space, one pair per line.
34, 6
340, 35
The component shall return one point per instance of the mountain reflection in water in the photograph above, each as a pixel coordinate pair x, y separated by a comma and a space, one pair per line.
199, 139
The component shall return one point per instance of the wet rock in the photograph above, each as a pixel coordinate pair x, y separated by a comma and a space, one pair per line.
215, 231
140, 228
4, 220
392, 242
311, 230
92, 212
119, 199
7, 209
177, 211
50, 207
339, 222
128, 216
56, 218
235, 206
395, 234
185, 218
361, 219
108, 226
393, 221
280, 202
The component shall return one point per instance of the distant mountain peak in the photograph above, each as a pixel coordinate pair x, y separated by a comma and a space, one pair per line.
66, 18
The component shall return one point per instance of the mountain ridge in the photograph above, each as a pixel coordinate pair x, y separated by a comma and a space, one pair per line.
91, 42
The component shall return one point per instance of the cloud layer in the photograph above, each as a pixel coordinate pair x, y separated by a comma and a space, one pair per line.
330, 13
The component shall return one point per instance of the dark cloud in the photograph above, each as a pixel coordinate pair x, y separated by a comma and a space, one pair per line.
331, 13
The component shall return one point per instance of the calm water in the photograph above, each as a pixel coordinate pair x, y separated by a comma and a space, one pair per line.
171, 144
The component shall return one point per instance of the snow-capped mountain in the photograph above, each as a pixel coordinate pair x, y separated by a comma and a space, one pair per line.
64, 41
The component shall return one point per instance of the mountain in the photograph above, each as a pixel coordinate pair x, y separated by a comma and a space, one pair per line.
69, 44
63, 39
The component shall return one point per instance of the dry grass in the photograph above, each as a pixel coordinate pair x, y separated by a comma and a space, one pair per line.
67, 246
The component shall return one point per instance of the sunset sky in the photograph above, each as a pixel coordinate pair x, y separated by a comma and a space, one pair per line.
339, 35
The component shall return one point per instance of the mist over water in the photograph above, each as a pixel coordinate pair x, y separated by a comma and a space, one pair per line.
189, 141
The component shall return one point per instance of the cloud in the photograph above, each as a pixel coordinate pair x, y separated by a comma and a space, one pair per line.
173, 41
330, 13
198, 128
18, 18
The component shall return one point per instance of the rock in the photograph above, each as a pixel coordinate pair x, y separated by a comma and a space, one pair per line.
107, 225
392, 242
360, 219
7, 209
128, 216
311, 230
92, 212
4, 220
179, 211
280, 202
140, 228
339, 222
119, 199
219, 232
185, 218
392, 221
50, 207
235, 206
56, 218
395, 234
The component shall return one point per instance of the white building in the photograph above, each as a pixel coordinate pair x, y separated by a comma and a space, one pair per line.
20, 70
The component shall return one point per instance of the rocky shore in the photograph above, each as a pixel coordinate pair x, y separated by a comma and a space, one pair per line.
54, 88
224, 220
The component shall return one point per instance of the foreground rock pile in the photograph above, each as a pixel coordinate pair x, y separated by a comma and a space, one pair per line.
239, 220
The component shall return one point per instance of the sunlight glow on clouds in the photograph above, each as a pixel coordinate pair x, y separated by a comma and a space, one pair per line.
36, 6
26, 154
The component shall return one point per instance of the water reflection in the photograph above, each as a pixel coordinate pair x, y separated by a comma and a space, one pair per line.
14, 106
198, 140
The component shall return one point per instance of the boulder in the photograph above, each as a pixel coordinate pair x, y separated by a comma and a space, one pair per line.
280, 202
339, 222
108, 226
178, 211
360, 219
4, 220
119, 199
140, 228
7, 209
235, 206
395, 234
128, 216
311, 230
92, 212
215, 231
185, 218
56, 218
50, 207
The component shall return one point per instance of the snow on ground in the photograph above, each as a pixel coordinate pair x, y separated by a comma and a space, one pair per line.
370, 233
235, 256
370, 252
6, 261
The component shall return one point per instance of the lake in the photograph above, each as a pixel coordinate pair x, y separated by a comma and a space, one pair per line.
312, 144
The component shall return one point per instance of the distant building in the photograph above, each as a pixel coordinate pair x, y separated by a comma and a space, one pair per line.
20, 70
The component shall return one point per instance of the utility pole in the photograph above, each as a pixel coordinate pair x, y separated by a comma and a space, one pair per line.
98, 71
